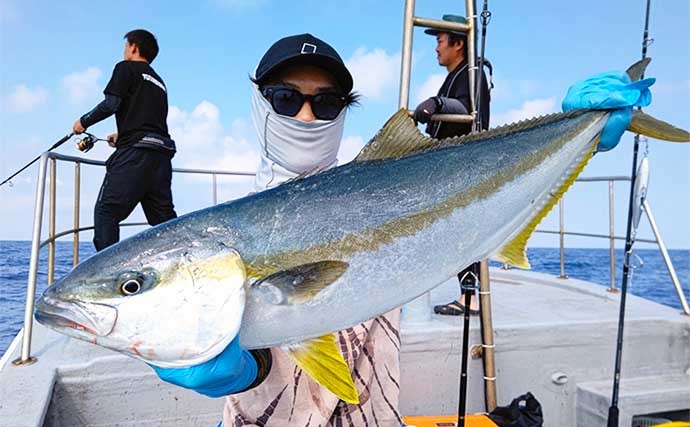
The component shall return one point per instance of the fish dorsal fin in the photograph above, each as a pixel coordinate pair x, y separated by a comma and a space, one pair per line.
644, 124
514, 252
398, 137
321, 359
636, 70
300, 284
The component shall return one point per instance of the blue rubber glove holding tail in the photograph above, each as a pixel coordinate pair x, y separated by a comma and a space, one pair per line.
610, 91
232, 371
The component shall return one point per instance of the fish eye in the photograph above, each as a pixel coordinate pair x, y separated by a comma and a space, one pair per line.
130, 287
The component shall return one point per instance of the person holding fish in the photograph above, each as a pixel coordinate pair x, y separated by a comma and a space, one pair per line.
454, 98
301, 91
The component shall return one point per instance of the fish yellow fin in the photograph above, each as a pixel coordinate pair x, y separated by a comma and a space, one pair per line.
398, 137
644, 124
320, 358
302, 283
515, 251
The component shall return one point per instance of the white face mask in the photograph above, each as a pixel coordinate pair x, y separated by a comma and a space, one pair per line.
289, 146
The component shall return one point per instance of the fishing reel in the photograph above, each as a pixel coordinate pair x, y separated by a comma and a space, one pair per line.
87, 143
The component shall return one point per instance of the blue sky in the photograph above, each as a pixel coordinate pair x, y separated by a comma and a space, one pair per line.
56, 57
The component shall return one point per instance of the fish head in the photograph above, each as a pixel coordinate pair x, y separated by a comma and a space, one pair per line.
169, 303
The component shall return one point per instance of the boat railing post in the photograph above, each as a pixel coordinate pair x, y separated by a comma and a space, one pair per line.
612, 243
26, 358
667, 258
51, 221
472, 54
77, 190
561, 233
406, 59
487, 330
215, 189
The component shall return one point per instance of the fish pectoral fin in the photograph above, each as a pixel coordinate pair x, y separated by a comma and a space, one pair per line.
302, 283
320, 358
644, 124
398, 137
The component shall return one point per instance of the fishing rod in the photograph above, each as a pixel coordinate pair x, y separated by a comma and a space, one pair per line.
468, 289
83, 145
56, 145
486, 18
629, 241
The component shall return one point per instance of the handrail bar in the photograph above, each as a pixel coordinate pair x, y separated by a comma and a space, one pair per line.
80, 229
438, 24
602, 178
603, 236
86, 161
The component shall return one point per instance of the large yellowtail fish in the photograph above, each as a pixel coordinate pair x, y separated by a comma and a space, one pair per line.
289, 266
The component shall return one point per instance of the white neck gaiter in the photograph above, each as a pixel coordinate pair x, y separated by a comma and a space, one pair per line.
290, 147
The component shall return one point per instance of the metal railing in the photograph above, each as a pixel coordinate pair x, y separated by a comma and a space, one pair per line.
37, 244
612, 239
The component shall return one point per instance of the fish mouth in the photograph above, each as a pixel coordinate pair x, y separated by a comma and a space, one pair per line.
92, 318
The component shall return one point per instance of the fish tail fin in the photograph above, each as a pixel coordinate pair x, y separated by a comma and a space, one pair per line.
636, 70
644, 124
320, 358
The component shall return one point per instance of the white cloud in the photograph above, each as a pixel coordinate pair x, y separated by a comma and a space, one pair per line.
24, 99
82, 86
374, 72
204, 143
429, 88
528, 110
349, 148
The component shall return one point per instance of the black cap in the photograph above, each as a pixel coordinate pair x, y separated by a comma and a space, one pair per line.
304, 49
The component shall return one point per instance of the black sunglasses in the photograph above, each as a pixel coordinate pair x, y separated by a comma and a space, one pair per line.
288, 102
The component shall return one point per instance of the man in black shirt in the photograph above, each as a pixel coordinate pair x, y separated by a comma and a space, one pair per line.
140, 169
454, 98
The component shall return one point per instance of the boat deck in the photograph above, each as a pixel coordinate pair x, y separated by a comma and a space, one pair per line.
553, 337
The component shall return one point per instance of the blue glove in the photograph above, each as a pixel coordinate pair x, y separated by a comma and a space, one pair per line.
232, 371
610, 91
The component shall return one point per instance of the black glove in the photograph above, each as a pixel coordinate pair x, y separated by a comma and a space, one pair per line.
423, 112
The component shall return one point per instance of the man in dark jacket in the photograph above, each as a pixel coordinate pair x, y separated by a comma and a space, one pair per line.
454, 98
140, 170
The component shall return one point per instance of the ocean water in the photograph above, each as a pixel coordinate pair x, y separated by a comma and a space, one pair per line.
651, 281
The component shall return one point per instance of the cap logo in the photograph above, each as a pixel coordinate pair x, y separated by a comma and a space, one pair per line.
308, 48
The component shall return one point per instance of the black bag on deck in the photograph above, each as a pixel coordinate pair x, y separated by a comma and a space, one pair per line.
518, 414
